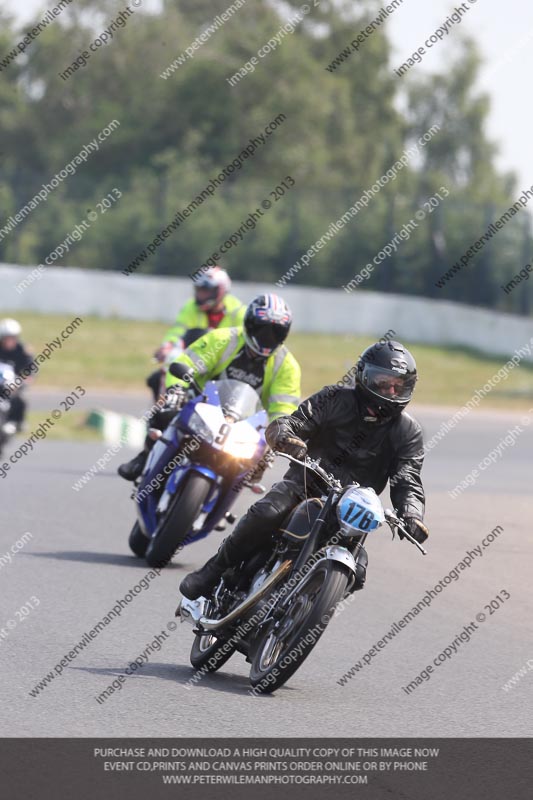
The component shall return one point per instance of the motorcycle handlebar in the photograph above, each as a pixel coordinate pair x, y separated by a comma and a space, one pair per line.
395, 521
314, 466
391, 517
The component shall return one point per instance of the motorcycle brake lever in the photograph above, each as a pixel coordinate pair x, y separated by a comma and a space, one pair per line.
395, 522
417, 544
411, 539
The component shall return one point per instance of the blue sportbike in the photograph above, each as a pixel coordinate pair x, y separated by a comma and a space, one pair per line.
197, 468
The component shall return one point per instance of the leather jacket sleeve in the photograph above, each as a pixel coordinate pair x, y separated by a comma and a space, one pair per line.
406, 490
303, 422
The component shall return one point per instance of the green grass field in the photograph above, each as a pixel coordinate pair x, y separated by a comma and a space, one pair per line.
116, 354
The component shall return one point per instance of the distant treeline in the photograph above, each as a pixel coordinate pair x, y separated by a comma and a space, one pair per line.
163, 77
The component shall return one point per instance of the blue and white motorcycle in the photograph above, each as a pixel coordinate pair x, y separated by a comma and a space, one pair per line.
197, 468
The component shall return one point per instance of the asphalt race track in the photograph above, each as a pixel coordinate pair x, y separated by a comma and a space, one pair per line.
77, 565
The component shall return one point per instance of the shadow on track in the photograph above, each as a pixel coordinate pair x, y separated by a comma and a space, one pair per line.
180, 674
115, 559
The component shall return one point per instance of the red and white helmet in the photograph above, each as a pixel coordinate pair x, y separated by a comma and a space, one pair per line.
211, 288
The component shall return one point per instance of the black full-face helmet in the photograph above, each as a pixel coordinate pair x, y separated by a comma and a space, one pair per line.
385, 379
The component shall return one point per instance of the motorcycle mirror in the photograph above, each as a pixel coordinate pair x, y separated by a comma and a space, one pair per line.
182, 371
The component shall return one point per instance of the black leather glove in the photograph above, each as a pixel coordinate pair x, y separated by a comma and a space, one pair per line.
292, 446
415, 528
279, 439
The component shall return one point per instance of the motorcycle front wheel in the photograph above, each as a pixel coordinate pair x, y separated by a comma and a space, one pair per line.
138, 542
287, 642
178, 520
209, 653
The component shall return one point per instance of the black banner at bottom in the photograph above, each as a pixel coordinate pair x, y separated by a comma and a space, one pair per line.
418, 769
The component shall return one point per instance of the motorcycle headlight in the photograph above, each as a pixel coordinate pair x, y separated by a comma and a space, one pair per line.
198, 426
359, 511
241, 442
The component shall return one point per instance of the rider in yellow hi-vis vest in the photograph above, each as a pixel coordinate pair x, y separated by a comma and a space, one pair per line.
215, 355
229, 313
254, 354
212, 307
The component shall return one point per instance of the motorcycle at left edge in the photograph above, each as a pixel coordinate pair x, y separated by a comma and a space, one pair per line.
7, 428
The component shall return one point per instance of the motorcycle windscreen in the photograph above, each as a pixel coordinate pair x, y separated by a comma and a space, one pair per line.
237, 399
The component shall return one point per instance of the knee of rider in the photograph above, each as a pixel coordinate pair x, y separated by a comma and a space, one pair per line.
265, 511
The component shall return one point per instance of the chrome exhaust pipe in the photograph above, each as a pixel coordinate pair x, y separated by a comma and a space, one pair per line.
192, 610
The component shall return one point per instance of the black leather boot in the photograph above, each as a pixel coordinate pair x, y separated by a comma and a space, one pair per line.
202, 581
132, 470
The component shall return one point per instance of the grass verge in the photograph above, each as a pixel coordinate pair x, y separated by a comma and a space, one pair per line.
115, 355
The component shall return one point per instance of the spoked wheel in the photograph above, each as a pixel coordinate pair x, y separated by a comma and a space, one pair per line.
209, 652
287, 642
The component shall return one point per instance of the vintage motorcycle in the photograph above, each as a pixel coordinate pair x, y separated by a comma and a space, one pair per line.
274, 608
197, 467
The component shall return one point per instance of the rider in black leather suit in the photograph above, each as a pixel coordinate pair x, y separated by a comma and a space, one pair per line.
361, 434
